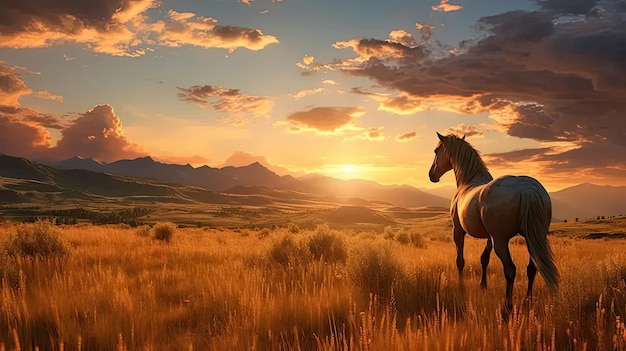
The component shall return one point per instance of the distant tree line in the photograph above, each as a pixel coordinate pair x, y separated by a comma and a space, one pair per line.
72, 216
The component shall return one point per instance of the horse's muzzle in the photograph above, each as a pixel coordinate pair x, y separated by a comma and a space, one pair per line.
433, 177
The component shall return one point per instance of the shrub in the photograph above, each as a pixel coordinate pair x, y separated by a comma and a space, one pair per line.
293, 228
374, 268
328, 245
163, 231
389, 233
143, 231
403, 238
38, 240
287, 252
264, 233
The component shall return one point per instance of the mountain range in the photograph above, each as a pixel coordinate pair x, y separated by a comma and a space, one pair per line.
223, 180
149, 180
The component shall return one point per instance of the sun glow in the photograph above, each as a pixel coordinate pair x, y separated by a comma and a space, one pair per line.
348, 169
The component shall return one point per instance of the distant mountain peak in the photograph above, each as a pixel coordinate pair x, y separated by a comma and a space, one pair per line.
145, 158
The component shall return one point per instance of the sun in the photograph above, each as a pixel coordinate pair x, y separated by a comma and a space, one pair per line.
348, 168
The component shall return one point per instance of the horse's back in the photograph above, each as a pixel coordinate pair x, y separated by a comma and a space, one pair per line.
500, 203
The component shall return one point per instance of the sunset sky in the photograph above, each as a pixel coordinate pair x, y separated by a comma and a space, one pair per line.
351, 89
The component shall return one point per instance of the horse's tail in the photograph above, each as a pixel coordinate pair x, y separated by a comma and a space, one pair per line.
535, 217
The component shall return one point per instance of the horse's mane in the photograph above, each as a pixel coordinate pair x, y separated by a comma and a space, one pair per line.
465, 159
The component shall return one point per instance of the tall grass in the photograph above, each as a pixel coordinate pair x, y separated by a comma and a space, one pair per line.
221, 290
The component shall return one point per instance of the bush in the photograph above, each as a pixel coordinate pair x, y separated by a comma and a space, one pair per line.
163, 231
411, 238
287, 252
38, 240
403, 238
143, 231
328, 245
374, 268
389, 233
293, 228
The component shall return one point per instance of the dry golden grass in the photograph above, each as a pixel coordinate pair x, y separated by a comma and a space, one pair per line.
221, 290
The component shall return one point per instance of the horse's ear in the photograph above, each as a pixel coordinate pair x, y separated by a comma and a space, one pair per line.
441, 137
463, 138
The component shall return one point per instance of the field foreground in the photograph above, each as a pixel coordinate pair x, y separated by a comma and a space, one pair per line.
288, 289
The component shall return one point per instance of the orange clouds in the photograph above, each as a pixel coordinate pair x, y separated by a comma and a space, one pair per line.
445, 6
406, 137
303, 93
189, 29
11, 86
97, 134
105, 25
539, 74
226, 100
24, 139
44, 94
116, 27
463, 129
324, 119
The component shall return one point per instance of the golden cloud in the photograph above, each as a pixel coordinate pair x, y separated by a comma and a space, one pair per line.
324, 119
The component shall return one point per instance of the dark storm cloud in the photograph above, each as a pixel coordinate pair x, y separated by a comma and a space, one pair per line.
556, 74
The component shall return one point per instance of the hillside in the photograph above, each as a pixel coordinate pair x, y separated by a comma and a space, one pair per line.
29, 182
259, 177
589, 201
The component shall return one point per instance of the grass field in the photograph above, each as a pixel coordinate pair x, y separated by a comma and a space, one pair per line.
296, 289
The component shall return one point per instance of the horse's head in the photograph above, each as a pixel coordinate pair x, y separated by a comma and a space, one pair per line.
441, 163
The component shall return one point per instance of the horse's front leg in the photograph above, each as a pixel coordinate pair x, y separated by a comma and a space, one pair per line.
459, 240
484, 261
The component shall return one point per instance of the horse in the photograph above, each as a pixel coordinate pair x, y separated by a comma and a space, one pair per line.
496, 210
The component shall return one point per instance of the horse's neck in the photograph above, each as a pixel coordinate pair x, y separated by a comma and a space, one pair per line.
480, 178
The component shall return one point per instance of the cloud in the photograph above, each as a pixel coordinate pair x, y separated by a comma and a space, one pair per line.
107, 26
96, 133
324, 119
445, 6
189, 29
308, 59
44, 94
226, 100
329, 82
12, 86
426, 31
247, 2
402, 105
406, 137
551, 75
374, 133
467, 130
303, 93
116, 27
19, 138
516, 156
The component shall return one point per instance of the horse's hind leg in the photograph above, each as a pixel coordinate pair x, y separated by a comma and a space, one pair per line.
531, 271
484, 261
459, 240
501, 247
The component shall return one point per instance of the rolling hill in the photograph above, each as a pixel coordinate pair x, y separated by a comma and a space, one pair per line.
148, 180
589, 201
259, 177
